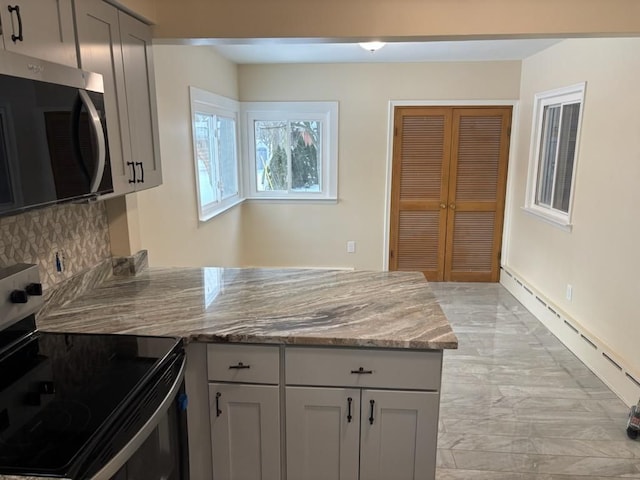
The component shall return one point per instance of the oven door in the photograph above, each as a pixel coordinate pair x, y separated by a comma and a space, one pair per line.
158, 450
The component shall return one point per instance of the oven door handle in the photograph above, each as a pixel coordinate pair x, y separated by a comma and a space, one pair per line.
123, 456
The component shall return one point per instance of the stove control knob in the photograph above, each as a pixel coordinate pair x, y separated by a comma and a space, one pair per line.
18, 296
34, 289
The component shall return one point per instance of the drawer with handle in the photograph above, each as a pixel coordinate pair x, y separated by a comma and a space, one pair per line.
243, 363
347, 367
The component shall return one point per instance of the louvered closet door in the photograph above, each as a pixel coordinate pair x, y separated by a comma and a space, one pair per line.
477, 184
420, 179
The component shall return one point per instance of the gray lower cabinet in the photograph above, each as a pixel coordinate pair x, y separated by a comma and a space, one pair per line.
346, 413
244, 411
118, 46
323, 433
245, 431
348, 434
39, 28
398, 435
381, 423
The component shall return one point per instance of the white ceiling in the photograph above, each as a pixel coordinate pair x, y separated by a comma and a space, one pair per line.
456, 51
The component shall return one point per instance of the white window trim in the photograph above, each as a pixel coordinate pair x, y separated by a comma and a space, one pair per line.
208, 102
568, 94
326, 112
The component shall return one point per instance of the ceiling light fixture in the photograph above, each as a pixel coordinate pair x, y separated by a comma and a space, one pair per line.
372, 46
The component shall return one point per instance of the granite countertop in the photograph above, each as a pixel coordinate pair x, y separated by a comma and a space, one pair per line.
281, 306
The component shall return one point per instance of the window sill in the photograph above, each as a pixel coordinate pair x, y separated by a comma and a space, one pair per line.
319, 200
202, 219
556, 222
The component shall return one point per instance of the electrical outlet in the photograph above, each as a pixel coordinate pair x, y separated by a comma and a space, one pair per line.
569, 293
59, 260
351, 246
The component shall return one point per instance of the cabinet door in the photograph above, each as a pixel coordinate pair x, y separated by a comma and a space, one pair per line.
322, 433
141, 100
100, 51
399, 435
47, 29
245, 431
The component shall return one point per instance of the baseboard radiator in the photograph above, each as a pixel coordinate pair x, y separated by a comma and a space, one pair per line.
594, 353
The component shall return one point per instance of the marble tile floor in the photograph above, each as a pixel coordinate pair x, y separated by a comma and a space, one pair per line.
518, 405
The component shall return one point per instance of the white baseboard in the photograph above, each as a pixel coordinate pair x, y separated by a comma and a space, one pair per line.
594, 353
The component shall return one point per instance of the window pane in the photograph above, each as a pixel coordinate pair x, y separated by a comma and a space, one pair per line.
272, 163
227, 152
548, 148
204, 137
566, 156
305, 156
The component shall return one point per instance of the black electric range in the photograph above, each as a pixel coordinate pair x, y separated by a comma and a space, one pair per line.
69, 402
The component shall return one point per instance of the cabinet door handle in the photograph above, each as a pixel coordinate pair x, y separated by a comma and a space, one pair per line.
362, 371
372, 403
239, 366
141, 165
218, 411
18, 37
349, 416
132, 178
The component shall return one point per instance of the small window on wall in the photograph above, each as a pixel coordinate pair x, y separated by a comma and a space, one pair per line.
292, 150
556, 133
215, 147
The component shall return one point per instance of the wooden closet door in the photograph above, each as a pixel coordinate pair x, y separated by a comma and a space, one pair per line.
420, 179
477, 188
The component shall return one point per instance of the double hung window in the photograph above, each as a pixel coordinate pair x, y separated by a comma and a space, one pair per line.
215, 147
292, 150
556, 133
289, 151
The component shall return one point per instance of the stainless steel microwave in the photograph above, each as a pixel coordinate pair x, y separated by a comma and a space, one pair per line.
53, 134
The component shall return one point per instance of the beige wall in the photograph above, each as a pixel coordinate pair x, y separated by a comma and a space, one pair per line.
599, 257
316, 235
169, 226
392, 18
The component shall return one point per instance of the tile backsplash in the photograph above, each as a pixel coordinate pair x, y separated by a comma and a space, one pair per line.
79, 233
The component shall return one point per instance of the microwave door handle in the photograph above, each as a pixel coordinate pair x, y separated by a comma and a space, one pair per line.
101, 155
75, 137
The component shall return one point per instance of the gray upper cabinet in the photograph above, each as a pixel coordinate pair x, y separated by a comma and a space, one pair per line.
39, 28
118, 46
100, 51
135, 37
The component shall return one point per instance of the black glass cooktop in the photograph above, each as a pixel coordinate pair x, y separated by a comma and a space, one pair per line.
58, 391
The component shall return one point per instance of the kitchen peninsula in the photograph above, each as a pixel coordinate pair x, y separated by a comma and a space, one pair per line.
291, 371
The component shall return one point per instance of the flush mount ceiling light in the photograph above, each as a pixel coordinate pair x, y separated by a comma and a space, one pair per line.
372, 46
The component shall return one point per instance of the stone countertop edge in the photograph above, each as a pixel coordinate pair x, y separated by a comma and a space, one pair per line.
262, 305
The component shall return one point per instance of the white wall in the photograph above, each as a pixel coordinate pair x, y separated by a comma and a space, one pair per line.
169, 226
600, 257
316, 235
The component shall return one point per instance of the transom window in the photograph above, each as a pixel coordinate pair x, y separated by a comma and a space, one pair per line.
557, 118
